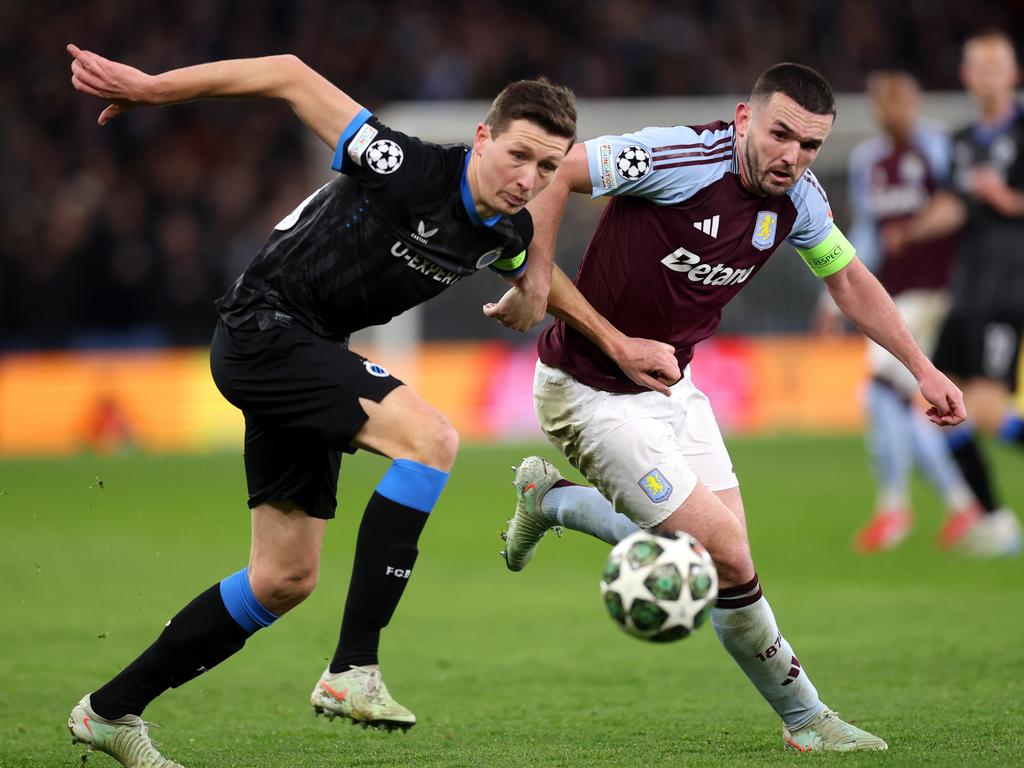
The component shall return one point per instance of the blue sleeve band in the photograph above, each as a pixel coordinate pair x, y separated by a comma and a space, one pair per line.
348, 133
1011, 428
959, 436
412, 484
242, 604
516, 273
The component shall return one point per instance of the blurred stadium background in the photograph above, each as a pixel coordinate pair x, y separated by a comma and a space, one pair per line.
114, 242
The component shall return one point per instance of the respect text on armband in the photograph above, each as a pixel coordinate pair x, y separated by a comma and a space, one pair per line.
823, 261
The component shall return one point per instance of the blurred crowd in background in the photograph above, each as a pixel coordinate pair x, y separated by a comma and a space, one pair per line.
125, 235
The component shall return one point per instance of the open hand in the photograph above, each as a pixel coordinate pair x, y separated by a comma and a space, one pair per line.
125, 87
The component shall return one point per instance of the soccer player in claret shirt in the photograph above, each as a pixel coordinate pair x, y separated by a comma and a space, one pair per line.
980, 341
892, 176
404, 220
695, 213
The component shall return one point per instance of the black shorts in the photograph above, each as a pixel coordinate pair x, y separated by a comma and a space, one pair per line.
300, 396
979, 344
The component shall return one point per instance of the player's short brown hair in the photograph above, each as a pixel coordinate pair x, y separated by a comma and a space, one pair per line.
802, 84
550, 106
991, 35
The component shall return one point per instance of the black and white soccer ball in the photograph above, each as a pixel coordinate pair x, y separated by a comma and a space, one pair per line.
633, 162
384, 156
659, 588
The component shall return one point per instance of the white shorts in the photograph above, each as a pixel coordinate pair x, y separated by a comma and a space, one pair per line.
643, 452
923, 312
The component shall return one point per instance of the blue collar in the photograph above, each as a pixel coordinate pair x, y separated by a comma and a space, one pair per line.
467, 200
984, 133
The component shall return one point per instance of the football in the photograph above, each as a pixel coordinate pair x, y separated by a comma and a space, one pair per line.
659, 587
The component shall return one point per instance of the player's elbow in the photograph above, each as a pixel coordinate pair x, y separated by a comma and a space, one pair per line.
292, 75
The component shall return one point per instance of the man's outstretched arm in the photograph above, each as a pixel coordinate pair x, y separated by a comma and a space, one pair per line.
863, 299
322, 106
646, 362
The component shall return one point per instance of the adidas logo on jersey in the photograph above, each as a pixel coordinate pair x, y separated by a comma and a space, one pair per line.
708, 226
688, 262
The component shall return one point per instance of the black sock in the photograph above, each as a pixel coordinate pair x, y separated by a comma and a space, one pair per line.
974, 467
385, 553
199, 638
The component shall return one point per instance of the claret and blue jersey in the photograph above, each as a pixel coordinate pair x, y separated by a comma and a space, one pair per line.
892, 182
396, 228
679, 239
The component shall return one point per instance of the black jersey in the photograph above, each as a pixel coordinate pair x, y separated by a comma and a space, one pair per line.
395, 230
990, 269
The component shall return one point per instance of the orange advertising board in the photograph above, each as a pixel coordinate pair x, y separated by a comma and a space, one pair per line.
58, 403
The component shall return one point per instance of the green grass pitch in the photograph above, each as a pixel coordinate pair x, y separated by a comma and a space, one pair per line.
921, 647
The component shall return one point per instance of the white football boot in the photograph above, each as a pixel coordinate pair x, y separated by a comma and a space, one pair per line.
125, 739
997, 534
360, 695
827, 733
534, 478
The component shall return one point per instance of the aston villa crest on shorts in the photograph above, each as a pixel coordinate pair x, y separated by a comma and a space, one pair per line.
656, 486
764, 230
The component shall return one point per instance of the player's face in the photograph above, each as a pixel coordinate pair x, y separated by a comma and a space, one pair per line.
896, 102
989, 69
777, 139
516, 165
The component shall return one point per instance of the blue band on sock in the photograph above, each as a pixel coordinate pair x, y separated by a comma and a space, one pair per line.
959, 436
242, 604
1011, 428
412, 484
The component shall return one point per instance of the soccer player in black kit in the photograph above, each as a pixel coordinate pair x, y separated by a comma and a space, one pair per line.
404, 220
981, 338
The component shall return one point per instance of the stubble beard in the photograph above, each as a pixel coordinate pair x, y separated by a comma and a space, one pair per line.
755, 183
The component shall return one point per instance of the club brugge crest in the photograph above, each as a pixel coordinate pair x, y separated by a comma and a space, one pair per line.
764, 230
488, 258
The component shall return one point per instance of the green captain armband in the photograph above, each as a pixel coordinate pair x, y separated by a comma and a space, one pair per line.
510, 265
830, 255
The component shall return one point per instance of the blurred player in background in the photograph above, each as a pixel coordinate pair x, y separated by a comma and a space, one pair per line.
695, 213
892, 177
980, 341
404, 221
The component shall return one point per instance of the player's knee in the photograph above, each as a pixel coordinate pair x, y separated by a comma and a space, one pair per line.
733, 561
281, 590
448, 444
437, 443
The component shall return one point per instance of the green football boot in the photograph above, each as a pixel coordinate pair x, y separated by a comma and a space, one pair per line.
534, 478
125, 739
827, 733
360, 695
